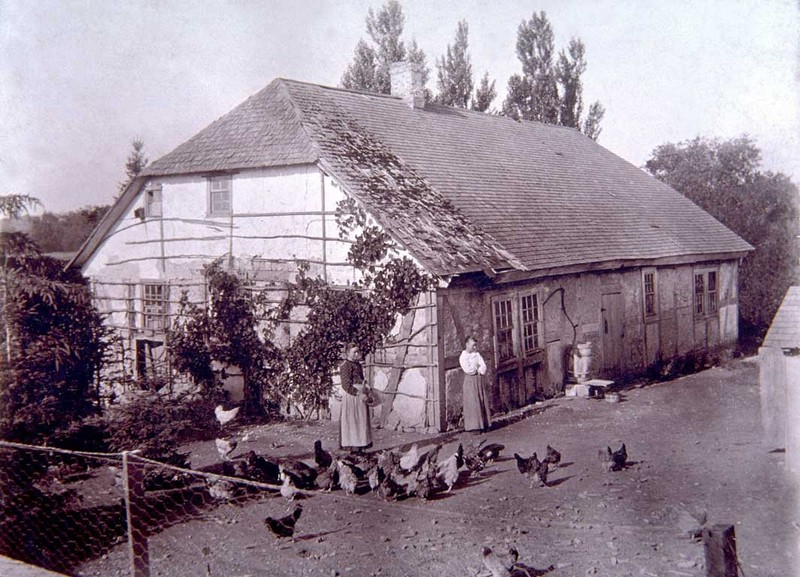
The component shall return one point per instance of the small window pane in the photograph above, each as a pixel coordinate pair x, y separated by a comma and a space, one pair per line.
504, 330
219, 196
699, 293
154, 306
152, 202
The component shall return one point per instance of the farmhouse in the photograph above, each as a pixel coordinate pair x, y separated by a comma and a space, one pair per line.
540, 239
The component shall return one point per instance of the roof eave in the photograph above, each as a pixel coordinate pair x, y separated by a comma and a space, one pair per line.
617, 264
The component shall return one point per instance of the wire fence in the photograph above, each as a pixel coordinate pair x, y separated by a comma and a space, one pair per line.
63, 510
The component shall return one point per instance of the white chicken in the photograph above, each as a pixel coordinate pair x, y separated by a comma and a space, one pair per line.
288, 490
410, 459
225, 447
224, 417
449, 469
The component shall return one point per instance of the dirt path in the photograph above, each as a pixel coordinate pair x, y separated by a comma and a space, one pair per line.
695, 445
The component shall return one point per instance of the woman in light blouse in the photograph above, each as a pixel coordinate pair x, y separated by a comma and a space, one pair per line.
476, 406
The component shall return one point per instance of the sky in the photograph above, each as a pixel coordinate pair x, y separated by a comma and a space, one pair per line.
80, 79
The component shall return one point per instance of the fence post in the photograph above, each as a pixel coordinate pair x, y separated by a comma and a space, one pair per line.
133, 475
720, 546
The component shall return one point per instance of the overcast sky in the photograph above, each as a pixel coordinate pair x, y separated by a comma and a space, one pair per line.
79, 80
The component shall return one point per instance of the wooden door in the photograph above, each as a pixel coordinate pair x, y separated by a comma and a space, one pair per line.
613, 328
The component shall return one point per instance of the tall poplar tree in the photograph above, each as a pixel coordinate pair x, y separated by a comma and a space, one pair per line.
550, 89
369, 69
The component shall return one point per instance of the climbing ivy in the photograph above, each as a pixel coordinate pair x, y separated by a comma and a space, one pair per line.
363, 313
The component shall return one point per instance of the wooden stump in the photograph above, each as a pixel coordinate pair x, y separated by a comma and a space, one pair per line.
720, 546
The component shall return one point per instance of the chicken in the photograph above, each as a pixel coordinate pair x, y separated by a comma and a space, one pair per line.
450, 468
490, 452
288, 489
619, 458
606, 459
221, 489
328, 478
224, 417
303, 476
284, 527
237, 468
500, 565
347, 477
322, 458
225, 447
553, 457
533, 469
410, 460
262, 470
427, 473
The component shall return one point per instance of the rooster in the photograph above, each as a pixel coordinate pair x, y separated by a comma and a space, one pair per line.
284, 527
288, 488
449, 469
225, 447
224, 417
553, 457
476, 457
605, 458
322, 458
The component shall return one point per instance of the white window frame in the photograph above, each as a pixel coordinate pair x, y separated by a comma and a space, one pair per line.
537, 323
220, 197
705, 301
153, 202
514, 313
155, 308
650, 315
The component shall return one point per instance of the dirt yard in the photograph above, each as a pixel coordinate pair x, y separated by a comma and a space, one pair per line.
694, 444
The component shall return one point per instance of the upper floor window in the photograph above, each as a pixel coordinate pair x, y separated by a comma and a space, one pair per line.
650, 292
152, 202
219, 196
706, 296
154, 306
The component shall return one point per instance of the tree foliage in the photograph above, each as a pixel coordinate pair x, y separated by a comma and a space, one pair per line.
364, 313
485, 94
454, 71
225, 331
65, 232
369, 69
54, 340
725, 179
550, 88
134, 164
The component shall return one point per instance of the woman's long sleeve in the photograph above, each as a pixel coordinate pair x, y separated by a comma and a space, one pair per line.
350, 374
481, 364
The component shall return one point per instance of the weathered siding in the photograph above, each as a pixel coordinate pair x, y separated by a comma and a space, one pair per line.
583, 308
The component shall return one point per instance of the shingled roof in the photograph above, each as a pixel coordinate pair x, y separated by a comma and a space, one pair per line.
463, 190
784, 332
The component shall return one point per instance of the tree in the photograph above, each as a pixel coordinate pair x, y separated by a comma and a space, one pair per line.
225, 331
485, 94
548, 90
454, 71
54, 340
369, 70
725, 179
134, 164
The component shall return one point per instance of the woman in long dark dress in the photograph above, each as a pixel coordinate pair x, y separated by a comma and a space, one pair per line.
476, 406
355, 429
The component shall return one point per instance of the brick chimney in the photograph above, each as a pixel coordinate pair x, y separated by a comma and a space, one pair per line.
407, 83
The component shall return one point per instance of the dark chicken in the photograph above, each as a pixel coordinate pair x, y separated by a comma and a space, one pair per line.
322, 458
284, 527
553, 457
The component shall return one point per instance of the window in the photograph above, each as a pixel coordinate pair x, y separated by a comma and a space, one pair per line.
219, 196
152, 202
650, 292
531, 323
504, 329
130, 305
154, 306
706, 297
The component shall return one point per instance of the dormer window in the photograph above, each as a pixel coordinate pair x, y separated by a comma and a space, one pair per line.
152, 202
219, 196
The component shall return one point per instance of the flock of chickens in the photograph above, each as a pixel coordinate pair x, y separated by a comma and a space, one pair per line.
389, 474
